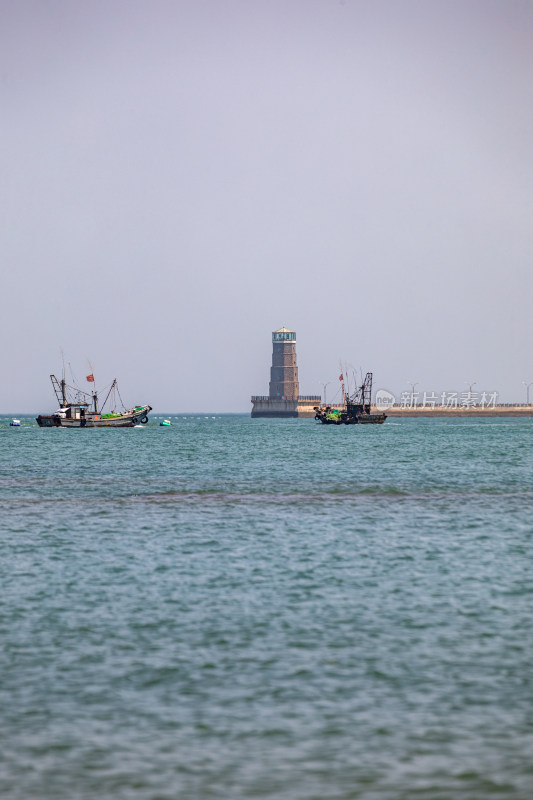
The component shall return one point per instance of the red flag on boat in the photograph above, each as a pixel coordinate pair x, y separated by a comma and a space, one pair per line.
90, 378
341, 377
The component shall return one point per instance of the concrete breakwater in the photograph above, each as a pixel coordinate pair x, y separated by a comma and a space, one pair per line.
501, 410
263, 406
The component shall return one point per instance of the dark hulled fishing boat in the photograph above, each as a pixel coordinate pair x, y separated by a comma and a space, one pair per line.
79, 409
355, 410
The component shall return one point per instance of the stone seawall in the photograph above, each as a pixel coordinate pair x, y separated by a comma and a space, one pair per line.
306, 408
265, 407
496, 411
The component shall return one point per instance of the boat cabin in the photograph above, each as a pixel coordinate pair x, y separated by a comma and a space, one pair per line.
75, 411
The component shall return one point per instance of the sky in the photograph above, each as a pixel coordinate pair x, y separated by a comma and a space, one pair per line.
180, 178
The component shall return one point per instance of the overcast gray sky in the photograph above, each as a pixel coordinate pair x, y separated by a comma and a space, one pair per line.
182, 177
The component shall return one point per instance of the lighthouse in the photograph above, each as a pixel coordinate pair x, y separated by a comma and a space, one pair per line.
284, 399
284, 370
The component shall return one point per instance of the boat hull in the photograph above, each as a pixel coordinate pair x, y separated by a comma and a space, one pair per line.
327, 418
371, 419
128, 420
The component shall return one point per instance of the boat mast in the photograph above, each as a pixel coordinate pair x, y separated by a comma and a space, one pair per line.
63, 383
113, 385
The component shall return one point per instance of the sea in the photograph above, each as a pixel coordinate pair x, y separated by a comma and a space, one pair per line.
228, 609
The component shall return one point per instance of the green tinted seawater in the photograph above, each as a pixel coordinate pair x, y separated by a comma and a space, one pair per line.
236, 608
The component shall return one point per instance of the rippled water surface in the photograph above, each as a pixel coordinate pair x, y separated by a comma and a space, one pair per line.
236, 608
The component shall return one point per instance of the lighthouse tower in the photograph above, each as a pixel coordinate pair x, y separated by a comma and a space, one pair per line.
284, 398
284, 370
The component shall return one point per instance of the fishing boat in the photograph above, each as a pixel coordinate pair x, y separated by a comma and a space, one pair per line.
356, 409
15, 423
80, 409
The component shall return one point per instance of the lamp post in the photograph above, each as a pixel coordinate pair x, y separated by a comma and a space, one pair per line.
470, 386
324, 385
412, 385
527, 385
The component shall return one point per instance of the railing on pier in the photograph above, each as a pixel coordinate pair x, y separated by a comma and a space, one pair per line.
260, 398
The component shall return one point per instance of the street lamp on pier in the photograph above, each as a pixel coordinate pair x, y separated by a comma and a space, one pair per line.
324, 385
527, 385
412, 385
